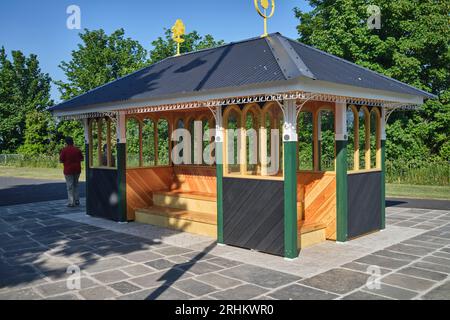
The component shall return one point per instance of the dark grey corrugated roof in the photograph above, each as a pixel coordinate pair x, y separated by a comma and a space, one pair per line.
328, 67
251, 61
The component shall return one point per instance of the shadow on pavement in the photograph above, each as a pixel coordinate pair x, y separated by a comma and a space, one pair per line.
20, 191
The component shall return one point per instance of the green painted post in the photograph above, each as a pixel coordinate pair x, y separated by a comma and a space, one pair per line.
219, 176
121, 182
290, 200
341, 190
383, 185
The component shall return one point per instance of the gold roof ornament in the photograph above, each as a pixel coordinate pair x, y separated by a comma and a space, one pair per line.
178, 30
265, 5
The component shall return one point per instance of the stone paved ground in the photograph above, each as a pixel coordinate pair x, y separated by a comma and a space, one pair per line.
38, 241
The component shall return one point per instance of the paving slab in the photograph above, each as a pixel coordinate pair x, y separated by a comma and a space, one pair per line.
60, 287
195, 288
392, 292
422, 273
362, 295
339, 281
124, 287
300, 292
218, 281
161, 278
244, 292
97, 293
110, 276
137, 270
383, 262
440, 293
260, 276
408, 282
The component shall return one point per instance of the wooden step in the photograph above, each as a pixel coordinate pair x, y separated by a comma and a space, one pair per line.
310, 234
190, 201
179, 219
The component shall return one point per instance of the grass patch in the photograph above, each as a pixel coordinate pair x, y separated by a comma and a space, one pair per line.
36, 173
417, 191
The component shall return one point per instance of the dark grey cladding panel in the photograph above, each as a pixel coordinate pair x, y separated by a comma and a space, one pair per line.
364, 203
102, 194
253, 214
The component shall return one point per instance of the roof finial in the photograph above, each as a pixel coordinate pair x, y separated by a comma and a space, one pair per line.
265, 6
178, 30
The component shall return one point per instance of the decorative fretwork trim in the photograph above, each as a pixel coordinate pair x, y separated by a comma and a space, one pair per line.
263, 98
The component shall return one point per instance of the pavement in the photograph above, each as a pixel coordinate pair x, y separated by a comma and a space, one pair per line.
42, 244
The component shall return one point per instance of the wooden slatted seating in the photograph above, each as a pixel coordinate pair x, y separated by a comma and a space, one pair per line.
189, 211
186, 200
311, 233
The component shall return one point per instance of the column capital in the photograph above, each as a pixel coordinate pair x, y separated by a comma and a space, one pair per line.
219, 133
383, 121
86, 130
341, 121
121, 127
290, 121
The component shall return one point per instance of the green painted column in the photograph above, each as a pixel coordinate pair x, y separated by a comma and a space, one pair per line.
341, 191
290, 140
341, 171
121, 182
290, 200
219, 176
383, 184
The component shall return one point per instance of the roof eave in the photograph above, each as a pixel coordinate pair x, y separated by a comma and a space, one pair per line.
299, 84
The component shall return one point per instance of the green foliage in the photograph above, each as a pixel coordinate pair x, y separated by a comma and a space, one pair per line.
411, 46
102, 58
30, 160
23, 89
72, 128
165, 47
99, 59
39, 129
418, 172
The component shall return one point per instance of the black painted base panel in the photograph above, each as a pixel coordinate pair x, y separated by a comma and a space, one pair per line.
364, 203
253, 214
102, 194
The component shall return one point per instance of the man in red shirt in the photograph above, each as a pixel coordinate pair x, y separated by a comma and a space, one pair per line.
71, 157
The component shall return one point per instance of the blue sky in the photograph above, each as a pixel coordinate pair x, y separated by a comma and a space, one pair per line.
39, 27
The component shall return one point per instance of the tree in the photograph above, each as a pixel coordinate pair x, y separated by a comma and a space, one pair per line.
102, 58
39, 134
164, 47
23, 89
411, 46
99, 59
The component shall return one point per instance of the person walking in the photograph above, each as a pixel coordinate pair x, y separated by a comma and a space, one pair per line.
71, 157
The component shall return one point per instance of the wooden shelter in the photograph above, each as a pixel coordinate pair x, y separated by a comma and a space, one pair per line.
331, 116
